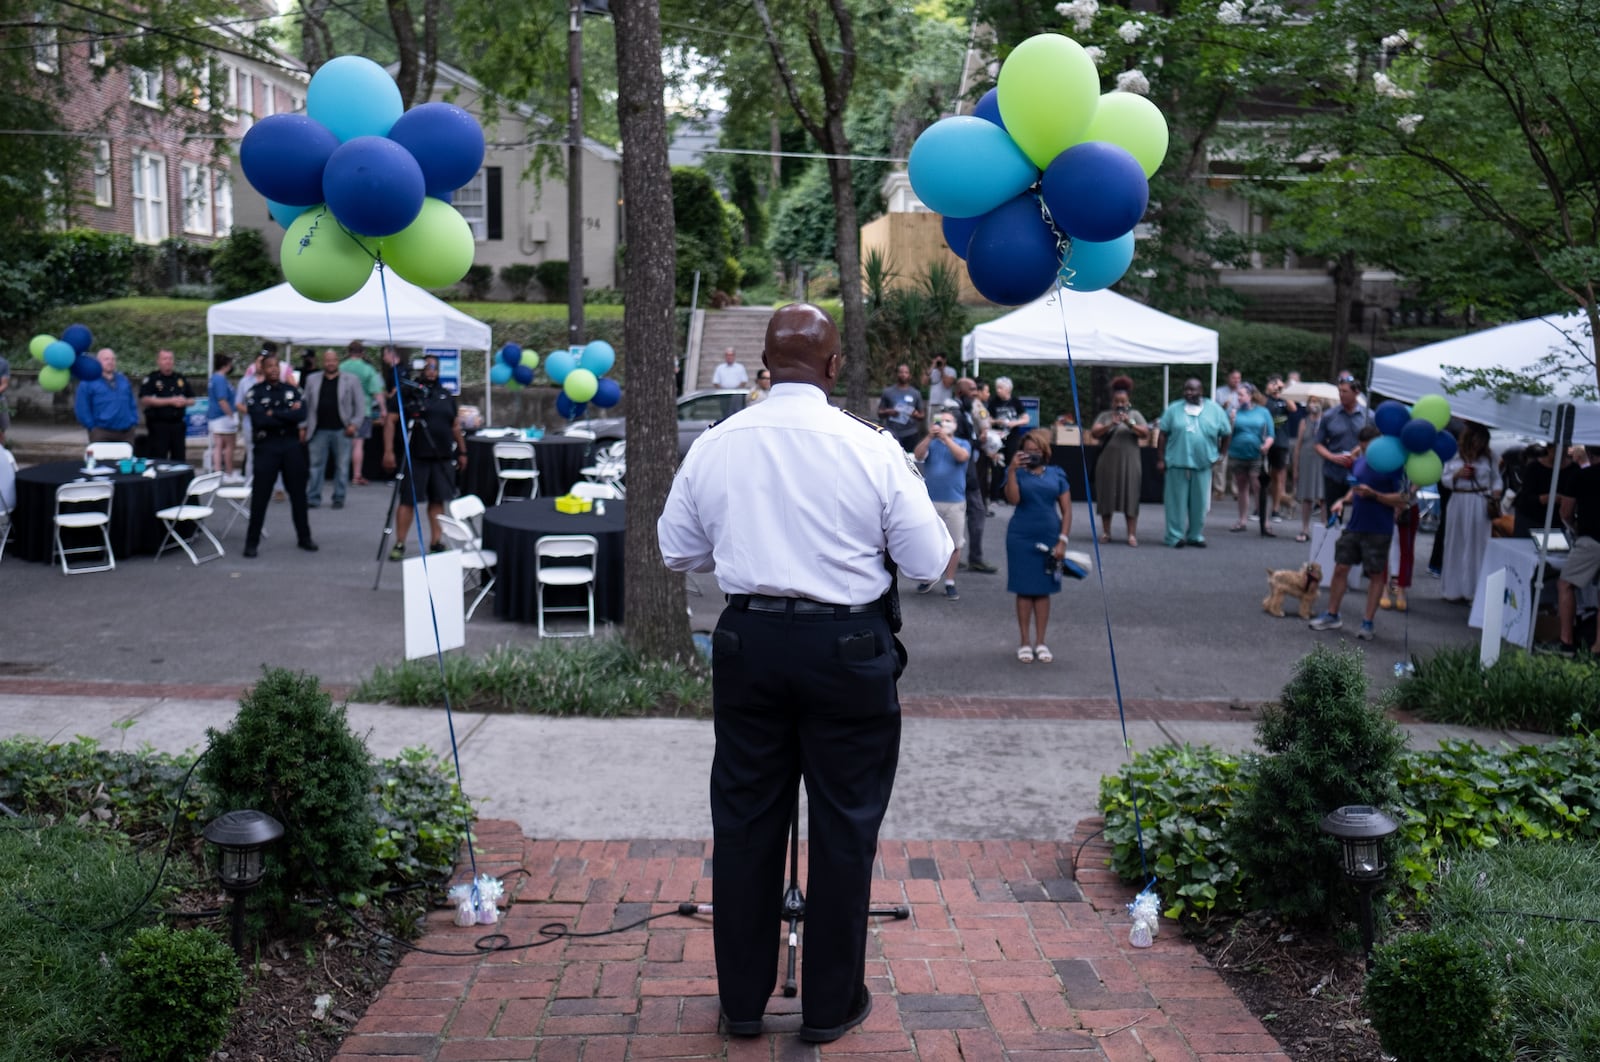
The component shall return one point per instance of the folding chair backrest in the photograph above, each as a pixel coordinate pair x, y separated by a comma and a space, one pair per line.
459, 535
466, 508
513, 451
567, 546
110, 451
202, 487
84, 493
594, 491
8, 481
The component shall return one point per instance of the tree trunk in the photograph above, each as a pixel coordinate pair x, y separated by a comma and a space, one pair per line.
847, 252
654, 601
1346, 275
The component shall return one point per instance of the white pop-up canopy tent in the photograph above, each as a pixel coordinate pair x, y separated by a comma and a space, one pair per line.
1517, 347
413, 318
1104, 328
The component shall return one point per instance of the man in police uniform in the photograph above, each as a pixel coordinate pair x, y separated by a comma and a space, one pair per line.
438, 451
165, 398
798, 507
277, 410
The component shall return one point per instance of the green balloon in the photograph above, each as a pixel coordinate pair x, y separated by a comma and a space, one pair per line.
530, 358
51, 379
1424, 469
37, 344
1048, 91
321, 260
1134, 124
512, 385
1435, 409
433, 251
580, 385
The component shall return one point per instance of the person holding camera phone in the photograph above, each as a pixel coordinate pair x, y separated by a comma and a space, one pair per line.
944, 461
434, 431
1040, 524
1118, 477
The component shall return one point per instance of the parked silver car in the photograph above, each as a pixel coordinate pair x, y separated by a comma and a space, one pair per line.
697, 411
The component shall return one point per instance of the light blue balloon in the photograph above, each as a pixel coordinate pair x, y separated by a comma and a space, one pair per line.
597, 357
283, 213
1093, 266
60, 355
499, 374
964, 166
1386, 454
558, 364
353, 96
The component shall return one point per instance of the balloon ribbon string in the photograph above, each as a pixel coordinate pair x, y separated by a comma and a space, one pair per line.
1100, 573
422, 544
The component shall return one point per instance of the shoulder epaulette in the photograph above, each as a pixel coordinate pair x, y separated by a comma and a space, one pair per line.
859, 419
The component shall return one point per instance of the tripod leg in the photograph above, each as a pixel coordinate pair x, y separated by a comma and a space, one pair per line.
388, 525
794, 905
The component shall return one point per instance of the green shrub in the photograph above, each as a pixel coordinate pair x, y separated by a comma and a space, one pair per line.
517, 278
290, 753
131, 792
420, 818
1325, 747
1431, 996
1257, 350
478, 281
552, 276
41, 271
240, 265
1519, 690
175, 995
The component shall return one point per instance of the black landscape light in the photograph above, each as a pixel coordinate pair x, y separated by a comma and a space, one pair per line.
240, 836
1361, 831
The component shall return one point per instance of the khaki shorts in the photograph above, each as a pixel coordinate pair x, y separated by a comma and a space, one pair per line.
1583, 562
954, 515
1370, 549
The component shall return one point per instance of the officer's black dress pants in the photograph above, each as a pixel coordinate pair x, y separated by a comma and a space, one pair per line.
167, 440
274, 455
791, 700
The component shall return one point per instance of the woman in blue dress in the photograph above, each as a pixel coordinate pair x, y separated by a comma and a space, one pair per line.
1036, 540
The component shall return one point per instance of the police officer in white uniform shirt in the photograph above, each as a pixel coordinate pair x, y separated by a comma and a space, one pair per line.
798, 507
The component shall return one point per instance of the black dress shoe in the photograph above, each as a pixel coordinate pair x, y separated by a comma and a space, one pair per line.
307, 545
742, 1028
1195, 542
249, 551
858, 1014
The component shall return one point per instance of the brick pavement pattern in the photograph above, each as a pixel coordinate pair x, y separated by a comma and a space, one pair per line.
1010, 953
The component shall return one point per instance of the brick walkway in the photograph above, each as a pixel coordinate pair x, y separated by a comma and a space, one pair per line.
1009, 954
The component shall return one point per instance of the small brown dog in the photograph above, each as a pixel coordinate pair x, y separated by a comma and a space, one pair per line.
1304, 582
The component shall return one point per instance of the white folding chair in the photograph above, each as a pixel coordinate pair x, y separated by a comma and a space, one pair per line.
575, 557
8, 496
506, 472
82, 519
477, 563
610, 466
110, 451
576, 432
468, 510
196, 509
594, 491
237, 495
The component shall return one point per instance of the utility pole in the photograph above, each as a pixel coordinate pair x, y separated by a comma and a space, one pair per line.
575, 11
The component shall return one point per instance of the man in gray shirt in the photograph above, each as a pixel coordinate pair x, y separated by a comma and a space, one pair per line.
900, 410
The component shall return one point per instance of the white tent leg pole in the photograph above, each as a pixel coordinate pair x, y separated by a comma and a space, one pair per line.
1213, 378
488, 400
1166, 386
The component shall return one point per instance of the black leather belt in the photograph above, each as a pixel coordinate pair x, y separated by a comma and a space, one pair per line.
798, 606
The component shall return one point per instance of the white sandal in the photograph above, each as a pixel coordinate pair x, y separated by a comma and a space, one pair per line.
1025, 653
1042, 654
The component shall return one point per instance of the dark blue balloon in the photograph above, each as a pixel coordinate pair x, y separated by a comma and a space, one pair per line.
1418, 435
283, 156
566, 406
444, 197
608, 393
447, 143
78, 337
1095, 191
958, 233
1444, 444
511, 354
373, 186
1391, 417
1013, 256
988, 107
522, 374
86, 368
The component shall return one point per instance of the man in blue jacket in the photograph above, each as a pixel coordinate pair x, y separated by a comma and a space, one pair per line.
106, 406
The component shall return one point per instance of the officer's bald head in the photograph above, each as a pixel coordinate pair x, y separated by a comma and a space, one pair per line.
802, 346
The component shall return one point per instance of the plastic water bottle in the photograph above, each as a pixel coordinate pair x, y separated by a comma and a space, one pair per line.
599, 506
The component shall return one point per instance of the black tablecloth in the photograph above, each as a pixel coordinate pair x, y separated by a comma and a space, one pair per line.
559, 458
134, 527
1070, 458
513, 529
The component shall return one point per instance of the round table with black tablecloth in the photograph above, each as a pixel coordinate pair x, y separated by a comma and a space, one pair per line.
136, 498
560, 460
513, 529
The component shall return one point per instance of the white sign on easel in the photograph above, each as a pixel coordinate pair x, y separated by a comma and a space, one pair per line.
1494, 608
443, 578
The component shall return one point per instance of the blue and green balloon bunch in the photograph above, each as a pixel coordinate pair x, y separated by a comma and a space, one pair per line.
64, 358
1414, 439
1046, 179
580, 372
359, 178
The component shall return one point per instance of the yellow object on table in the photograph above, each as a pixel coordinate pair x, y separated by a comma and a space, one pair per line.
571, 503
